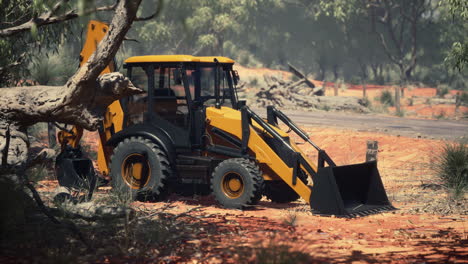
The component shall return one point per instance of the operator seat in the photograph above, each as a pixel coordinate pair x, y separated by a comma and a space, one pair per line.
165, 103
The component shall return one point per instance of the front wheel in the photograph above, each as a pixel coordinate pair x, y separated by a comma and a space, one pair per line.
237, 183
140, 169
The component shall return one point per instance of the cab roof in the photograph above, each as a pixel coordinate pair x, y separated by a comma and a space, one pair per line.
177, 58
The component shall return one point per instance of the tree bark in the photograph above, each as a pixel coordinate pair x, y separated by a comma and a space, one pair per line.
397, 99
81, 101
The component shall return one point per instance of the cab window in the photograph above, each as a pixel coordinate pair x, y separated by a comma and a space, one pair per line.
137, 105
169, 96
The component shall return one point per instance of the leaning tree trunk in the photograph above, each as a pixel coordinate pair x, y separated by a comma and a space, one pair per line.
81, 101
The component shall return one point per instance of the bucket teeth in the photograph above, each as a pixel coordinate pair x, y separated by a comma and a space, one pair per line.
382, 209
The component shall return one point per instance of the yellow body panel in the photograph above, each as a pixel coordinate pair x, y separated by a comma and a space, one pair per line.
96, 32
113, 123
71, 137
229, 120
176, 58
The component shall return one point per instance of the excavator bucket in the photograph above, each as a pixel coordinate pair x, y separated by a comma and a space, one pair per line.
348, 191
75, 172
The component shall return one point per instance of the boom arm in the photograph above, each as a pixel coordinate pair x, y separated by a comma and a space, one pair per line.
95, 33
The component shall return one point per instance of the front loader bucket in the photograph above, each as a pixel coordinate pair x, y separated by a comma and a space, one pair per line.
347, 191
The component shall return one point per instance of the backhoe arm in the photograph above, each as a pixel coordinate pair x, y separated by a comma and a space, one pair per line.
95, 33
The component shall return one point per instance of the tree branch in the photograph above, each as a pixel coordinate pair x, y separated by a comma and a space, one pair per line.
387, 50
48, 18
156, 13
391, 31
125, 14
13, 64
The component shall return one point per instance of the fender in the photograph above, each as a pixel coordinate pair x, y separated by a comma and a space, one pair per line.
155, 134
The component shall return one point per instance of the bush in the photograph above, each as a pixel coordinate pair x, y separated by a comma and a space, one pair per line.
452, 167
365, 102
386, 98
253, 82
442, 90
463, 99
400, 113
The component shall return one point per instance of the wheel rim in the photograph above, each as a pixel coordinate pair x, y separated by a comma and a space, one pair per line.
232, 185
136, 171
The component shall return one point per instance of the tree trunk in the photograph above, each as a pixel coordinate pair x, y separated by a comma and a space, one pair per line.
51, 135
397, 100
81, 101
335, 72
364, 89
322, 72
402, 81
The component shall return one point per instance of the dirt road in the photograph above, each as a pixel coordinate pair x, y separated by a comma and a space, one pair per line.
439, 129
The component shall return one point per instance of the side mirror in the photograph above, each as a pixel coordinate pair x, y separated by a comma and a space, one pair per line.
235, 76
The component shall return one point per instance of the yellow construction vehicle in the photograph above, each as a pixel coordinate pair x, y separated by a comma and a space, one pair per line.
190, 131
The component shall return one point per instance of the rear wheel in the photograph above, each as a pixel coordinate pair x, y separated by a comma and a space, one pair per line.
237, 183
140, 169
280, 192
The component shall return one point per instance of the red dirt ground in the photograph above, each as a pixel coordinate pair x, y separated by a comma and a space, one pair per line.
396, 237
408, 235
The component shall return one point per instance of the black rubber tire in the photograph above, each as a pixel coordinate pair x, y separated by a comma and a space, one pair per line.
252, 179
280, 192
156, 188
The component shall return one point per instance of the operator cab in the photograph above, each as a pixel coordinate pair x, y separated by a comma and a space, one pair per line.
178, 88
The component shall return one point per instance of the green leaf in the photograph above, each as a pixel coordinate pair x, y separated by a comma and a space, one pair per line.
34, 31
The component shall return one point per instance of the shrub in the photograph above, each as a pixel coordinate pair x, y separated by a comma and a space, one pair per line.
410, 101
440, 115
243, 58
463, 99
253, 82
452, 167
386, 98
442, 90
400, 113
325, 107
365, 102
290, 219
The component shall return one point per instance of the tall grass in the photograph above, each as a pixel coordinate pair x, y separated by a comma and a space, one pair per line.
452, 167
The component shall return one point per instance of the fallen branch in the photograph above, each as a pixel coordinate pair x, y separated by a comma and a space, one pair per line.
299, 74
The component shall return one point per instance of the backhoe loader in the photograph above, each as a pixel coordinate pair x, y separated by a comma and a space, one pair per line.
190, 131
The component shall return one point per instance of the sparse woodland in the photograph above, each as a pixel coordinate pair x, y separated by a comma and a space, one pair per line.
386, 42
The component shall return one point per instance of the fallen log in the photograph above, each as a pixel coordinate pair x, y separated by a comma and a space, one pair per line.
299, 74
